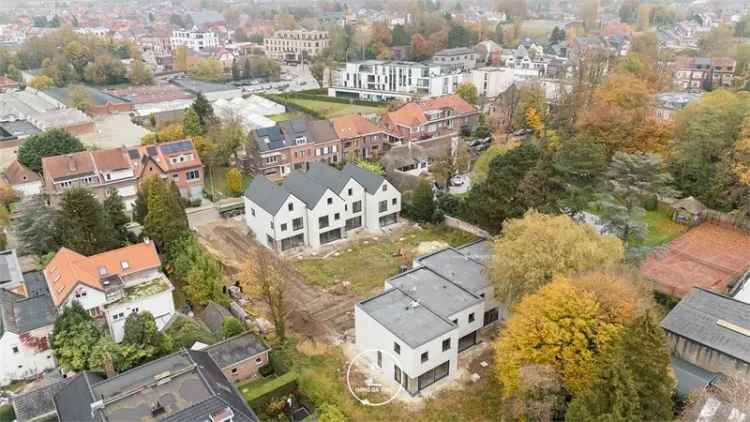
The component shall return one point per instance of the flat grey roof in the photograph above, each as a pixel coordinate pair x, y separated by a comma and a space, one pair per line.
434, 291
10, 269
236, 349
414, 325
197, 86
691, 378
458, 268
479, 250
713, 320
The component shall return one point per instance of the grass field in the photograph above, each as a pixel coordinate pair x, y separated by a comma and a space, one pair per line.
216, 180
331, 109
379, 257
661, 229
281, 117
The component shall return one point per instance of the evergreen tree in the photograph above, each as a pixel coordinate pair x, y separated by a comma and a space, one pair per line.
46, 144
35, 228
246, 70
140, 206
399, 36
191, 124
165, 221
613, 396
499, 34
114, 208
236, 73
422, 208
647, 357
204, 110
82, 224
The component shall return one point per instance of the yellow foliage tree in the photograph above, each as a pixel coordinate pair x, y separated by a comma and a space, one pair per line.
742, 154
41, 82
538, 246
234, 181
262, 278
168, 133
535, 122
568, 324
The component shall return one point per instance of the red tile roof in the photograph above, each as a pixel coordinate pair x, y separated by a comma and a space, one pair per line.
352, 126
162, 159
458, 104
17, 174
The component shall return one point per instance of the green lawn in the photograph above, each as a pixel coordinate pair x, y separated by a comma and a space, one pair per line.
281, 117
661, 229
216, 181
331, 109
367, 265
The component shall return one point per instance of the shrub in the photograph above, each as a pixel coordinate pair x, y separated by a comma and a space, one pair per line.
651, 203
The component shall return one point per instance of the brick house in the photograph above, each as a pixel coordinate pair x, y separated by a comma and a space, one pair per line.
178, 161
239, 357
702, 73
432, 119
360, 138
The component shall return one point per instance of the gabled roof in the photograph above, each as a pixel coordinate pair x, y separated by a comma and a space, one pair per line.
16, 174
713, 320
270, 138
161, 155
19, 314
410, 115
352, 126
327, 176
266, 194
322, 131
454, 102
369, 180
305, 188
69, 268
39, 403
213, 316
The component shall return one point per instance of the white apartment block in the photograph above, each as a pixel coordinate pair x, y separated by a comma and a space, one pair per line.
112, 285
295, 45
318, 207
413, 332
379, 80
492, 81
194, 39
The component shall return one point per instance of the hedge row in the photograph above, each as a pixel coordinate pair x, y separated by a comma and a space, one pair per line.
282, 100
279, 387
338, 100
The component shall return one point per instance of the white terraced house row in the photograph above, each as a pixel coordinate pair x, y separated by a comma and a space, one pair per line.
319, 206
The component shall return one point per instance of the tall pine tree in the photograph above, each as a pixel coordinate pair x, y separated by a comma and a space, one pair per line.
82, 224
165, 220
204, 110
114, 208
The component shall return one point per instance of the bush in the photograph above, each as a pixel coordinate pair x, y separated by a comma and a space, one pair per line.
266, 370
651, 203
6, 413
258, 393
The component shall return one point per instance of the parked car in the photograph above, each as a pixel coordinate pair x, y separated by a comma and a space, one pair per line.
480, 141
457, 180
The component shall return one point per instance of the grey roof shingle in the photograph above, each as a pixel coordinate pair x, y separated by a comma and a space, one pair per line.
236, 349
266, 194
270, 139
369, 180
304, 188
327, 176
697, 318
73, 401
213, 316
20, 315
38, 403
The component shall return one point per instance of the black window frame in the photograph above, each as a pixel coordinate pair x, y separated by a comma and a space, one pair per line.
446, 344
397, 348
321, 220
472, 317
424, 357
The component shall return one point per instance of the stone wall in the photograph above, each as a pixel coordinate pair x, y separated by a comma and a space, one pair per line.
462, 225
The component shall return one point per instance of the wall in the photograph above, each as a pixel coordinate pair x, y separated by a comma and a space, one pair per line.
28, 189
322, 208
93, 298
246, 369
28, 361
705, 357
160, 305
462, 225
372, 209
260, 223
284, 216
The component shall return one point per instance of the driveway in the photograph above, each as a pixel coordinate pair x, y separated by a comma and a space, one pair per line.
457, 190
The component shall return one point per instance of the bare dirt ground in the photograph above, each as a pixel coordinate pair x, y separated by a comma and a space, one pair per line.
314, 312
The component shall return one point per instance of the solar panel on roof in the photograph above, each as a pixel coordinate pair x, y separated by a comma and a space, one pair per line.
151, 151
176, 147
134, 154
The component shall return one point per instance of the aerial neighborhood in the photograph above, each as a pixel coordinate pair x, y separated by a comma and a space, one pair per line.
391, 210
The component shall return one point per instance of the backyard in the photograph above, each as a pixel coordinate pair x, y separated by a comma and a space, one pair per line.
216, 182
661, 229
367, 263
333, 109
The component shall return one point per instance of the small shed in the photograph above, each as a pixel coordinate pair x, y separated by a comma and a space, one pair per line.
688, 211
213, 316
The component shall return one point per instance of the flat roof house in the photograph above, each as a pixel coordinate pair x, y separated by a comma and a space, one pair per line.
709, 331
426, 316
319, 206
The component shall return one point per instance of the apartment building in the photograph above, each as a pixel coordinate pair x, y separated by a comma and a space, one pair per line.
414, 331
295, 45
702, 73
380, 80
319, 206
194, 39
99, 171
461, 58
112, 285
431, 119
492, 81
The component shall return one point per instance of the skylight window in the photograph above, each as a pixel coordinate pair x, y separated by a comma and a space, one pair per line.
124, 265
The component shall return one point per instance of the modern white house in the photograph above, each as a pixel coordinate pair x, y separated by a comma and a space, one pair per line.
27, 316
492, 81
112, 285
194, 39
382, 80
413, 332
319, 206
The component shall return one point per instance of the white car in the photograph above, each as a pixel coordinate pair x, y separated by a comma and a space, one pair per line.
457, 180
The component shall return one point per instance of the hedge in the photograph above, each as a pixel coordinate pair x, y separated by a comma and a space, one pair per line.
6, 413
267, 390
281, 100
334, 99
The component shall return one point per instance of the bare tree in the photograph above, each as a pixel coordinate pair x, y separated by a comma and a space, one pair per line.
262, 279
730, 391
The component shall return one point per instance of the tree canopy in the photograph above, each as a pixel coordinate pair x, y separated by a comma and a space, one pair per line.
73, 338
46, 144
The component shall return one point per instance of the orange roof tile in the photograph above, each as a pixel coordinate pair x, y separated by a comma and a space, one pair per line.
17, 173
69, 268
409, 114
157, 154
352, 126
458, 104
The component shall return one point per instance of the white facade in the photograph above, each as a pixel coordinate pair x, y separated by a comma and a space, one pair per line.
21, 360
378, 80
382, 207
295, 45
194, 40
492, 81
160, 305
28, 189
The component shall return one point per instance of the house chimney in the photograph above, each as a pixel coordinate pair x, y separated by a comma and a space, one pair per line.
109, 367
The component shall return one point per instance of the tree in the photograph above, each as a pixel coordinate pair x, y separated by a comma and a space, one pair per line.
630, 178
207, 70
468, 92
79, 98
579, 165
450, 163
114, 209
420, 49
165, 221
569, 324
234, 181
46, 144
534, 121
35, 228
557, 36
236, 72
399, 37
73, 338
191, 124
263, 278
105, 70
184, 332
246, 72
482, 163
317, 69
231, 327
370, 166
83, 225
198, 270
540, 395
420, 207
204, 110
459, 36
180, 59
13, 73
41, 82
139, 73
499, 34
534, 249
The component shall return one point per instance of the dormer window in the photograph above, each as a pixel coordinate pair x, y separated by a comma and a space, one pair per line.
124, 265
300, 140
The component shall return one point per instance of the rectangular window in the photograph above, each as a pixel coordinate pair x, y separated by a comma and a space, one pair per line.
323, 222
252, 212
291, 206
471, 317
336, 216
446, 344
394, 201
356, 206
329, 201
385, 187
192, 175
383, 206
350, 191
283, 227
380, 359
425, 356
297, 224
397, 374
15, 349
397, 348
